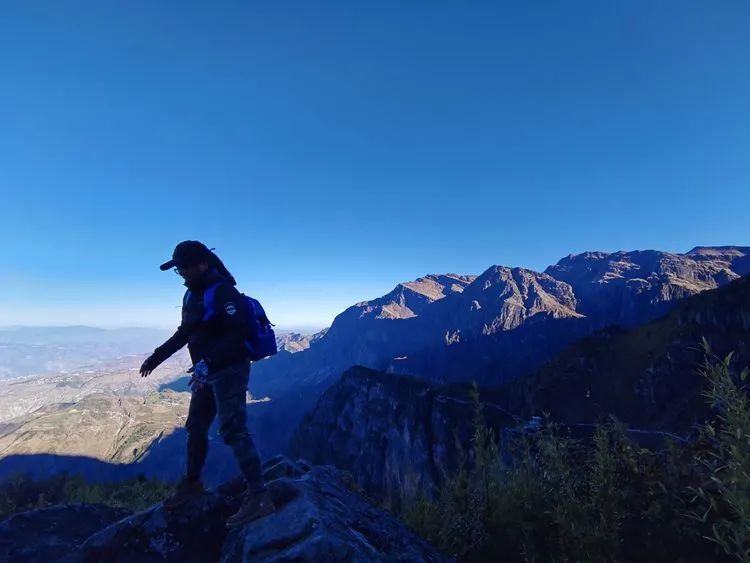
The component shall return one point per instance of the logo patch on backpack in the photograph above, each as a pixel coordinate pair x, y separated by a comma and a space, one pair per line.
230, 308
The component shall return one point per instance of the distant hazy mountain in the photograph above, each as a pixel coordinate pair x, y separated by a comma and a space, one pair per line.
28, 351
296, 342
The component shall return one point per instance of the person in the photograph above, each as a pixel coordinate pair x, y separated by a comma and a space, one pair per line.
220, 372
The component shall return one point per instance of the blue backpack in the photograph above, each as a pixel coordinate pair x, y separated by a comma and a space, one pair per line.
261, 340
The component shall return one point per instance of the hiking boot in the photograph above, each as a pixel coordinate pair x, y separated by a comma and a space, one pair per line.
184, 492
253, 506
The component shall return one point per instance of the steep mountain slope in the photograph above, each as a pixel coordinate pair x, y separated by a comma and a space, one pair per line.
369, 333
406, 300
645, 376
107, 438
630, 288
104, 427
509, 320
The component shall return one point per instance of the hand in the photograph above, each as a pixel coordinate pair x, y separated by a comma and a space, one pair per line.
148, 366
200, 375
195, 385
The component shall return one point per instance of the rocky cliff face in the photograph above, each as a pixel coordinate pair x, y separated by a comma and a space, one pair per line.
398, 436
630, 288
503, 299
319, 517
407, 300
507, 321
645, 376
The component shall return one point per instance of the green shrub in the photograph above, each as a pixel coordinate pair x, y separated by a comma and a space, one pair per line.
19, 492
555, 498
721, 501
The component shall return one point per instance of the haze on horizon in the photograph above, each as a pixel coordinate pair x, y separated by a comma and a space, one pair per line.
331, 151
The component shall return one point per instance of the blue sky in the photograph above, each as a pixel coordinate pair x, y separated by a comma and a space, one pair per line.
329, 150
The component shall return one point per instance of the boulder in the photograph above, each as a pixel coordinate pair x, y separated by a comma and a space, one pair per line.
319, 517
194, 532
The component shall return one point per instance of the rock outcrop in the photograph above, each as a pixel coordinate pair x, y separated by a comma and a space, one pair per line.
396, 435
320, 517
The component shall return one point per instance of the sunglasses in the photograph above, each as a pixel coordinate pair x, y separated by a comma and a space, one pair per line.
182, 267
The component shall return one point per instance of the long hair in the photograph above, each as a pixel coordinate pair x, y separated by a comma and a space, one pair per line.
215, 262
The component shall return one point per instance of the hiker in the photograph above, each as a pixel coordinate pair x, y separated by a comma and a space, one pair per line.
216, 340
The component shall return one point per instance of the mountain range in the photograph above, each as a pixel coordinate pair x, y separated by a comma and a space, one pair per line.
399, 436
494, 327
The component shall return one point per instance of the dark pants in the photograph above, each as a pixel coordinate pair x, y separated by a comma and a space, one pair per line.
224, 396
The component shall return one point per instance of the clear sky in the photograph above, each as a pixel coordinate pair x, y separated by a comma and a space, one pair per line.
332, 149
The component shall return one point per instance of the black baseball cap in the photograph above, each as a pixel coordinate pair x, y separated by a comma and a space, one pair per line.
187, 252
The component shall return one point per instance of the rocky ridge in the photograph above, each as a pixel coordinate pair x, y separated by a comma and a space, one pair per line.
320, 516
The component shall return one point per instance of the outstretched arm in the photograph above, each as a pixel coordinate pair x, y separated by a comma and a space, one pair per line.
172, 345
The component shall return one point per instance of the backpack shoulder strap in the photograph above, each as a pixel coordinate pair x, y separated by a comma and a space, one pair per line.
209, 301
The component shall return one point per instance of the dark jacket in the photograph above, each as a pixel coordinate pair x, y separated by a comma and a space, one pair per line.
220, 340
